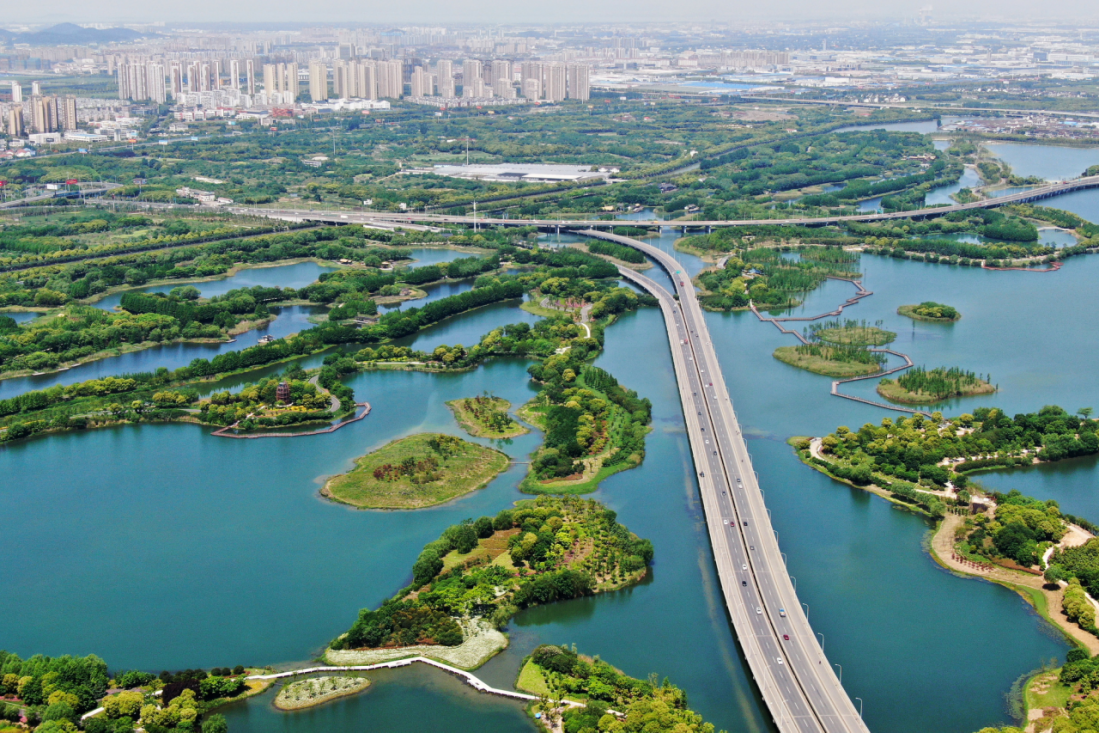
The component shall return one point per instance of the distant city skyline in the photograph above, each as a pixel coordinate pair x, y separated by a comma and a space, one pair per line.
645, 11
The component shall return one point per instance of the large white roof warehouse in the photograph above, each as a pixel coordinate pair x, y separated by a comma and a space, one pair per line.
518, 172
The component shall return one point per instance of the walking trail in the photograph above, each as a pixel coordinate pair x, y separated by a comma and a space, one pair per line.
860, 293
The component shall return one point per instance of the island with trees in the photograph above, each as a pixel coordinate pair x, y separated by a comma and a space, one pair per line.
486, 416
478, 574
315, 691
930, 311
766, 277
609, 700
594, 427
838, 349
920, 386
418, 471
53, 694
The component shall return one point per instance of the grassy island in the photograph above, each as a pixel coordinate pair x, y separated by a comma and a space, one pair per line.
486, 416
557, 673
317, 691
831, 360
851, 333
480, 573
930, 311
923, 387
415, 472
838, 349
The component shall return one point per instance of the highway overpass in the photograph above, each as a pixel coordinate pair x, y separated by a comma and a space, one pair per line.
378, 218
82, 190
797, 681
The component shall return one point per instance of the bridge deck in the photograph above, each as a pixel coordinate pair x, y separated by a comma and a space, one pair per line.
797, 682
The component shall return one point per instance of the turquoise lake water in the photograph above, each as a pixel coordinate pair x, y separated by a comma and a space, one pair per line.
159, 546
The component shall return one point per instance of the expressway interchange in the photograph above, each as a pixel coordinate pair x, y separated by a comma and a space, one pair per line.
795, 679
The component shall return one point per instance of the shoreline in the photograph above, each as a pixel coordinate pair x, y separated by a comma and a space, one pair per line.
939, 545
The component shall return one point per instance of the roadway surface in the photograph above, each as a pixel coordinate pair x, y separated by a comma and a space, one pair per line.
404, 218
794, 677
84, 189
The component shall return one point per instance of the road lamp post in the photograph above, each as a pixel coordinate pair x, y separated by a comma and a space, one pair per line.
821, 642
841, 671
795, 583
860, 706
806, 610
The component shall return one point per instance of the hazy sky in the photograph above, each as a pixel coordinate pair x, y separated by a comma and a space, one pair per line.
426, 12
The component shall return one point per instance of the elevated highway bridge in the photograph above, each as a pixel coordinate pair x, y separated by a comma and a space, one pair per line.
392, 219
796, 680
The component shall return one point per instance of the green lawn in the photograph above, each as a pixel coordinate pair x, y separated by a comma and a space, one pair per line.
531, 680
863, 335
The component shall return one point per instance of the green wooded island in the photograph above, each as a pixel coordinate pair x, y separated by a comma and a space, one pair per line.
557, 673
317, 691
486, 416
416, 472
926, 387
468, 583
931, 312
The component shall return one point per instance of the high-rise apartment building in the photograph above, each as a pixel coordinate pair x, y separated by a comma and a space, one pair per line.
318, 80
390, 79
154, 83
250, 73
473, 84
133, 81
366, 76
500, 69
503, 88
67, 109
16, 92
553, 82
36, 89
15, 121
531, 70
176, 81
421, 85
234, 74
532, 88
44, 114
271, 81
290, 84
444, 71
579, 82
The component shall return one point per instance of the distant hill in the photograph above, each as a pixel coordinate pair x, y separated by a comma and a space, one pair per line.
70, 33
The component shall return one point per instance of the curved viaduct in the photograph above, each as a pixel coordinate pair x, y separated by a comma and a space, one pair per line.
390, 219
797, 681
